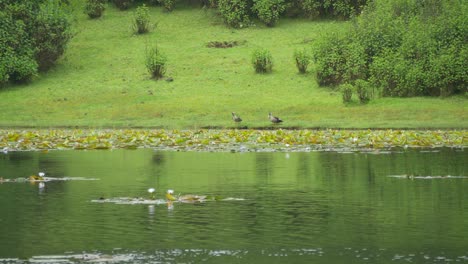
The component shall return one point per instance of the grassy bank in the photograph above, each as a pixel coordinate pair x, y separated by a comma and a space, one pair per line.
102, 81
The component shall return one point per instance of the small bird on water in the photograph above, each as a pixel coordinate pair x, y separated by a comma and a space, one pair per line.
274, 119
236, 118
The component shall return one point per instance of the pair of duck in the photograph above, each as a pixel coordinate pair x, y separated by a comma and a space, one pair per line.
275, 120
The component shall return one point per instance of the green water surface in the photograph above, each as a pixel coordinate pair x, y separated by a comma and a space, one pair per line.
311, 207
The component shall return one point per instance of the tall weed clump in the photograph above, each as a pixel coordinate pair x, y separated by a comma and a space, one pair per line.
155, 62
95, 8
269, 11
141, 20
302, 59
262, 61
346, 90
235, 12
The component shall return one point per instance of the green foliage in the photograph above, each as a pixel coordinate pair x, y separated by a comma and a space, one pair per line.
123, 4
95, 8
141, 20
404, 47
262, 61
347, 92
339, 60
168, 4
16, 48
363, 91
33, 35
155, 62
51, 35
235, 12
269, 11
302, 59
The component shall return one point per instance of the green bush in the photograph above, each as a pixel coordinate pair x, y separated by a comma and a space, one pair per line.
403, 47
269, 11
95, 8
123, 4
363, 91
155, 62
51, 35
167, 4
339, 60
235, 12
347, 92
17, 61
33, 35
302, 59
141, 20
262, 61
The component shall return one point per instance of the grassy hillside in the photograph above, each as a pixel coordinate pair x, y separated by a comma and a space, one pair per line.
102, 80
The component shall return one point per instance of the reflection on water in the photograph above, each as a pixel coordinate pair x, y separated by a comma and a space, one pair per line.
323, 207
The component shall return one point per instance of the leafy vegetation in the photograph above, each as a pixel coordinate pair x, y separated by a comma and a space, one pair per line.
141, 21
95, 8
404, 47
262, 61
227, 139
156, 62
302, 59
33, 36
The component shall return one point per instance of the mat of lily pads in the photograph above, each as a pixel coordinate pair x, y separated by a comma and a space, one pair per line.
229, 140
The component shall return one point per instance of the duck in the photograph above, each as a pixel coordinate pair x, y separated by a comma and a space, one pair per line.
184, 198
169, 195
236, 118
39, 177
274, 119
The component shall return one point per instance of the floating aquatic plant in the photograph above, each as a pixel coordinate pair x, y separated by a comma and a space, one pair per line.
227, 140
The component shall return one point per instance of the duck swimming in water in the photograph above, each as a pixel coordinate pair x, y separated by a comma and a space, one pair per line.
184, 198
39, 177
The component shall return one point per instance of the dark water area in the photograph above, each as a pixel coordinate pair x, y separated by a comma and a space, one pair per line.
309, 207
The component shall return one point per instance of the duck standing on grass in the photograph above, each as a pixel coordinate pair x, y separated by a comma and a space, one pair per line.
274, 119
236, 118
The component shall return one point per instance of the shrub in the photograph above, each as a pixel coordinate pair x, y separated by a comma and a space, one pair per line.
347, 92
141, 20
51, 35
123, 4
302, 59
339, 60
269, 11
95, 8
168, 4
262, 61
17, 61
363, 91
155, 62
311, 8
235, 12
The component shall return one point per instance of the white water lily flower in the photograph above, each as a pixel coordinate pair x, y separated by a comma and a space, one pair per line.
41, 174
151, 190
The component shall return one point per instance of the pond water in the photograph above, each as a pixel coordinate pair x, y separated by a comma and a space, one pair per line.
310, 207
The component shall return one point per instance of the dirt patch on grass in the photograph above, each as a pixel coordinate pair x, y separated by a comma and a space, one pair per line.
224, 44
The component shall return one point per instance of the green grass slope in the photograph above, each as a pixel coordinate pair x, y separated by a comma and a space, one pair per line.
102, 81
